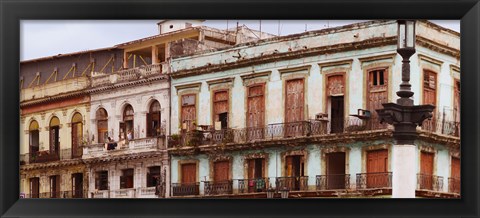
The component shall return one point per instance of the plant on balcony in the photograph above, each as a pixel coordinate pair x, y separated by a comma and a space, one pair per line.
228, 136
196, 138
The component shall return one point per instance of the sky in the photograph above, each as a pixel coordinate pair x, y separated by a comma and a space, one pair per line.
41, 38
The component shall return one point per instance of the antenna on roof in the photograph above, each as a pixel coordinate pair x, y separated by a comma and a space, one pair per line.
305, 27
260, 29
278, 27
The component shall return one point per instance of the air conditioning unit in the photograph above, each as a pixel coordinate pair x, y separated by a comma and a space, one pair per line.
321, 116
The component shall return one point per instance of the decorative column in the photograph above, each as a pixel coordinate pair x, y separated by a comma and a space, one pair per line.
405, 117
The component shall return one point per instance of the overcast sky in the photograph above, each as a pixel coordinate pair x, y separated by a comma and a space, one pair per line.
40, 38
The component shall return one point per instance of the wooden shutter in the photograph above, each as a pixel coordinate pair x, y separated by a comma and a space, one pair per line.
377, 91
52, 139
377, 162
289, 166
426, 165
189, 173
188, 114
294, 104
256, 106
221, 171
455, 171
429, 87
220, 103
335, 85
456, 101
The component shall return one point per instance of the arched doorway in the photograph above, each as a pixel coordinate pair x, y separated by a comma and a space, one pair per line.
102, 125
77, 135
126, 126
154, 120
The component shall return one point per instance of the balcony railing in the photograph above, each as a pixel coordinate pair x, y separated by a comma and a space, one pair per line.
59, 194
442, 126
123, 193
333, 181
43, 156
268, 132
454, 185
126, 75
101, 194
374, 180
185, 189
217, 188
253, 185
294, 183
429, 182
143, 144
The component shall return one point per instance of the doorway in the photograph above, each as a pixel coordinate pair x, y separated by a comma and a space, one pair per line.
337, 114
335, 170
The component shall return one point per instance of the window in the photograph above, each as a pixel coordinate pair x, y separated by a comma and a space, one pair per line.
54, 135
256, 168
34, 187
188, 115
102, 125
220, 109
55, 186
77, 134
33, 137
126, 180
101, 180
126, 127
153, 120
153, 176
377, 94
77, 185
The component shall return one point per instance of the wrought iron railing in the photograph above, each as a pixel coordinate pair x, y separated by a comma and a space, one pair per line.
293, 183
333, 181
185, 189
429, 182
253, 185
374, 180
442, 126
268, 132
43, 156
218, 187
454, 185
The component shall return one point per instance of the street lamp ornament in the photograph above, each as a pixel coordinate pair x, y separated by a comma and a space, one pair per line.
403, 115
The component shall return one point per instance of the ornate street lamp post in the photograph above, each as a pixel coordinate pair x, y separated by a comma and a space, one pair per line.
405, 117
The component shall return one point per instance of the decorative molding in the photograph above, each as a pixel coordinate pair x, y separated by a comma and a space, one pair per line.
42, 114
256, 74
197, 85
455, 71
378, 58
295, 70
64, 112
256, 155
223, 81
219, 157
426, 148
336, 63
423, 57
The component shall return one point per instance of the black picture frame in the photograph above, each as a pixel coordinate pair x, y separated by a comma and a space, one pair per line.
11, 12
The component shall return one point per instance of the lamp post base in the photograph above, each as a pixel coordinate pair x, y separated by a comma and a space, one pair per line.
404, 180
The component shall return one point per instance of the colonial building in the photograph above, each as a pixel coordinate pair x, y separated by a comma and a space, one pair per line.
96, 126
297, 112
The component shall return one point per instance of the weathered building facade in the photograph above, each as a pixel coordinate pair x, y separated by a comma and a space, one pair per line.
96, 126
298, 112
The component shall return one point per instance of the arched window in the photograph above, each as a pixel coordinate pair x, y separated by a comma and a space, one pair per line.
33, 132
77, 135
102, 125
153, 120
126, 126
54, 135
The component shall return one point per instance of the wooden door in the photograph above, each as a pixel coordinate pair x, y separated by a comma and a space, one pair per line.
221, 171
335, 170
189, 173
455, 168
377, 91
377, 168
430, 97
426, 170
34, 187
188, 113
220, 107
77, 138
456, 108
255, 112
54, 139
34, 141
77, 185
337, 114
102, 127
294, 107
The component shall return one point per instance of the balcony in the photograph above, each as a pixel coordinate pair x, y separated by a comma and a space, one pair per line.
332, 182
101, 194
218, 188
454, 185
429, 182
268, 132
374, 180
185, 189
59, 194
128, 75
253, 185
135, 145
42, 157
123, 193
293, 183
442, 126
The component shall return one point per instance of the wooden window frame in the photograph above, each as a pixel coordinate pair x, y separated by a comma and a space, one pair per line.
154, 132
182, 105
